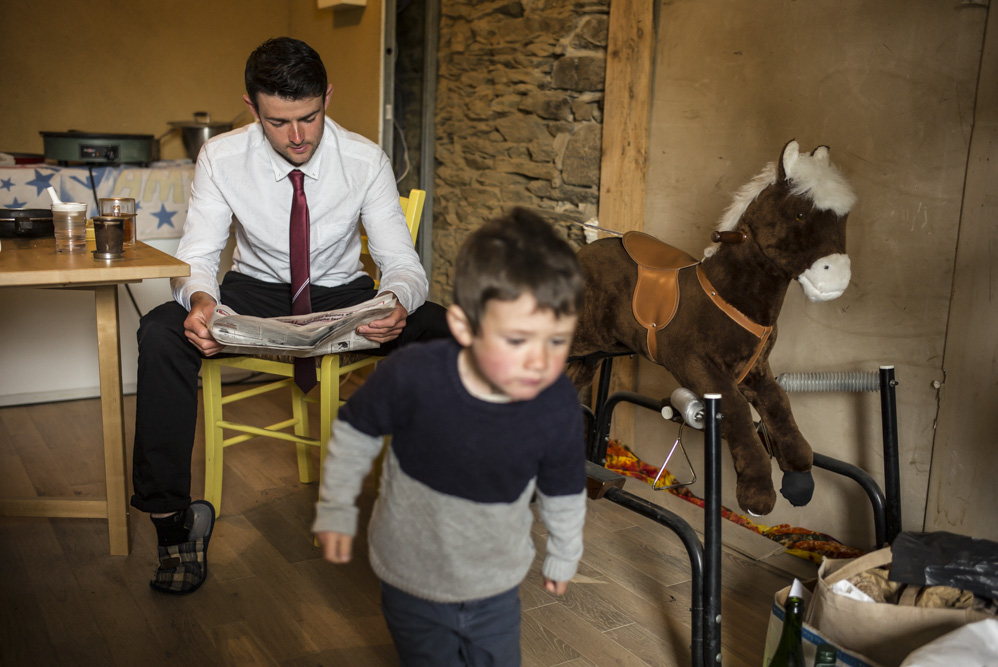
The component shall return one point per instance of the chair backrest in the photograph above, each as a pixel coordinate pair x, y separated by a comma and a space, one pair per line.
412, 206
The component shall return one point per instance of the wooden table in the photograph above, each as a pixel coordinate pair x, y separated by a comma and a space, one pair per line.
35, 263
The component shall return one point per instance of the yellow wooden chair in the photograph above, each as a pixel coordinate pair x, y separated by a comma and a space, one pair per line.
330, 371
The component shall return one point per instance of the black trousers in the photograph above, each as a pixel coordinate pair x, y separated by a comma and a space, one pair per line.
168, 365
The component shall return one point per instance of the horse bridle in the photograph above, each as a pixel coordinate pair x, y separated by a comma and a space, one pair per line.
761, 332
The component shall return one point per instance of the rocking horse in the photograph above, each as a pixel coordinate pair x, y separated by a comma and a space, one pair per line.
712, 323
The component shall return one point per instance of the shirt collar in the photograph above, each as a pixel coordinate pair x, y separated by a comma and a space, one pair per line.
282, 167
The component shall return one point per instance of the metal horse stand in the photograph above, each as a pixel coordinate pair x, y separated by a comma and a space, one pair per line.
887, 503
705, 559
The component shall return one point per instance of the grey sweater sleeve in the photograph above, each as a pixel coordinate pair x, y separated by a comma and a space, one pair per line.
348, 460
563, 516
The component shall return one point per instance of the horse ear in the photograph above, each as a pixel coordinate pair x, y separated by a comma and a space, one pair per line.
821, 154
791, 152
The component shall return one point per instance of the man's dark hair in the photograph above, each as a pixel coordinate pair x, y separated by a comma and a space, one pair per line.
512, 256
285, 67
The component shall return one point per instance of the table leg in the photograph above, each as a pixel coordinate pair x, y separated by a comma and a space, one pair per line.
112, 417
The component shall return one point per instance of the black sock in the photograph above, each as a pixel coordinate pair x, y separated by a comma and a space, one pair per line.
171, 530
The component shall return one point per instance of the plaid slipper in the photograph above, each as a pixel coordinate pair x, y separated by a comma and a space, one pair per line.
183, 567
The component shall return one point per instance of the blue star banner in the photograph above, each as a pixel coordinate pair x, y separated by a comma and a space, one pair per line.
161, 191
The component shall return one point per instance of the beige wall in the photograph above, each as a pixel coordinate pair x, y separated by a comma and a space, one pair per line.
890, 87
349, 42
131, 67
963, 495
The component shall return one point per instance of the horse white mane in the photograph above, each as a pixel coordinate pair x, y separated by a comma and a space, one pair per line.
810, 174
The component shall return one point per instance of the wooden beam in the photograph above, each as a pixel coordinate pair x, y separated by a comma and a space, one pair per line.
630, 58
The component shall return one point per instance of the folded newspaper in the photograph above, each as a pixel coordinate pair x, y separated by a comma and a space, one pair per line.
309, 335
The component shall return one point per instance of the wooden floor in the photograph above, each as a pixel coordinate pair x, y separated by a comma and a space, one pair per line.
270, 599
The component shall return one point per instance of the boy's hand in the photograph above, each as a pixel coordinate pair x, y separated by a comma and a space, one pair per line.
556, 587
336, 547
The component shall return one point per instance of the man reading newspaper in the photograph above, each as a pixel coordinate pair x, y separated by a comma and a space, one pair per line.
293, 168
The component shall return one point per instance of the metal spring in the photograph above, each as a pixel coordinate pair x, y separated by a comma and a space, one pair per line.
830, 381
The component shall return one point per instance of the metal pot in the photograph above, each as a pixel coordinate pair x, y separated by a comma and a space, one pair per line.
201, 129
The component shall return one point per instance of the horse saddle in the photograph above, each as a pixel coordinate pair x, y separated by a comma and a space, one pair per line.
656, 294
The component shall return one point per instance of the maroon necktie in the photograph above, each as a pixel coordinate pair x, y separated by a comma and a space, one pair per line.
301, 302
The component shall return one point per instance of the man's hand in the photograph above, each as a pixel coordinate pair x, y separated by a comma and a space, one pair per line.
336, 547
196, 324
556, 587
386, 329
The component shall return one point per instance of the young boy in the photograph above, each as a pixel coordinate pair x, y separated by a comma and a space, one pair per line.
479, 426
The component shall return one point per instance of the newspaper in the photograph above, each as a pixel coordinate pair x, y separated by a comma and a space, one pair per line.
309, 335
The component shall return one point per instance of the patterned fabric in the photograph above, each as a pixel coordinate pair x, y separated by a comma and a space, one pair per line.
800, 542
160, 191
184, 567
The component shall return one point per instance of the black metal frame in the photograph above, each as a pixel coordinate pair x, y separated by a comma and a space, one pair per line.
886, 503
705, 558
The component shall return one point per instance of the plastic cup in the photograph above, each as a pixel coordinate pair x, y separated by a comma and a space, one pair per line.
108, 236
69, 221
123, 207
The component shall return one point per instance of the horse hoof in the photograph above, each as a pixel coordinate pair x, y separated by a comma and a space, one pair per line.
757, 502
798, 487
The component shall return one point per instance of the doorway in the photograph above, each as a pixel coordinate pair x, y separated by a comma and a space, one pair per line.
410, 82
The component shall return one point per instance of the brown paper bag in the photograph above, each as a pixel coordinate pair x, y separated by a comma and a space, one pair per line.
887, 633
810, 637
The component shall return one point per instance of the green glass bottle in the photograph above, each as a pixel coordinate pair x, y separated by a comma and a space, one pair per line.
790, 651
826, 656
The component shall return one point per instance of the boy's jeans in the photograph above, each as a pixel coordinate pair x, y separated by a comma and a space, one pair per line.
482, 633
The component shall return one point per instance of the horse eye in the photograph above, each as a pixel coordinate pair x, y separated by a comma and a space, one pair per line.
800, 216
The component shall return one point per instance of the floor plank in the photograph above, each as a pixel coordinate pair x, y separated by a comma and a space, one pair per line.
542, 646
573, 629
21, 643
66, 610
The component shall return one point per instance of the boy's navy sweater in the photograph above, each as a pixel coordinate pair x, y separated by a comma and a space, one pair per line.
452, 521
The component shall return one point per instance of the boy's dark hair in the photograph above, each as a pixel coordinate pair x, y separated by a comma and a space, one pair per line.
285, 67
515, 255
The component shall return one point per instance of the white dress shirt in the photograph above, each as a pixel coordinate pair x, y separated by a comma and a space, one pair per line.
241, 181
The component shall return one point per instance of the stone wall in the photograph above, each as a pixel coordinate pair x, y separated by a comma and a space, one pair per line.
518, 118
